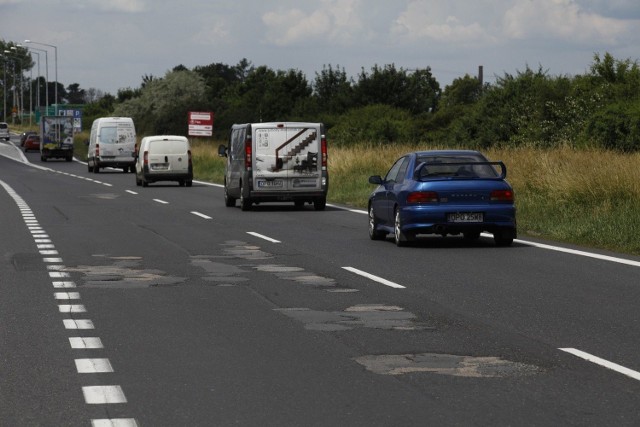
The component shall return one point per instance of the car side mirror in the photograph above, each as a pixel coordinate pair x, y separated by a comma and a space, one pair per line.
375, 179
222, 151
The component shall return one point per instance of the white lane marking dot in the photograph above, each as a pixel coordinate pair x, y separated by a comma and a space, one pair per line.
82, 343
59, 285
114, 422
78, 324
67, 295
93, 366
45, 246
72, 308
58, 274
55, 267
49, 252
52, 259
95, 395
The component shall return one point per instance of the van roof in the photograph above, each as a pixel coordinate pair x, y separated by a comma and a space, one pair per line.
165, 138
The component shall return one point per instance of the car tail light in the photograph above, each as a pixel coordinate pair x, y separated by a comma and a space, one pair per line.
145, 158
502, 196
247, 153
323, 149
422, 197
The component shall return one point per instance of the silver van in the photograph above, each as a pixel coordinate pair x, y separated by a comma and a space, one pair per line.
276, 162
164, 158
112, 144
4, 131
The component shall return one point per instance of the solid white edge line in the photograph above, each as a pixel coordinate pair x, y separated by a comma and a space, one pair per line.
374, 278
602, 362
269, 239
201, 215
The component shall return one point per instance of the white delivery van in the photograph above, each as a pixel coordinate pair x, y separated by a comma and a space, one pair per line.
276, 162
112, 144
164, 158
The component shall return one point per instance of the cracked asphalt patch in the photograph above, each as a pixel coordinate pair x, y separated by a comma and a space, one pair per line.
376, 316
446, 364
123, 273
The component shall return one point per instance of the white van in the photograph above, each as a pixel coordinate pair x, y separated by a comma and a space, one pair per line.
164, 158
276, 162
112, 144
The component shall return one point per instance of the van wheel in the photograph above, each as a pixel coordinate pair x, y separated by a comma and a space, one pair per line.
96, 169
189, 183
245, 201
138, 181
299, 204
89, 167
181, 183
320, 203
132, 169
228, 200
145, 183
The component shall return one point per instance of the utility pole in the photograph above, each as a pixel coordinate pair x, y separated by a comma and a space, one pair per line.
480, 75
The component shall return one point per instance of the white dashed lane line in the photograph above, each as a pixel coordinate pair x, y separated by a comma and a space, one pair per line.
94, 394
374, 278
261, 236
201, 215
161, 201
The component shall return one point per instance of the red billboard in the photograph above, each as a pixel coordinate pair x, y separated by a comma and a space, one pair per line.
200, 123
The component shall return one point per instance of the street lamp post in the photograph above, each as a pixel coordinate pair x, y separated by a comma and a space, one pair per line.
46, 77
13, 66
37, 89
55, 48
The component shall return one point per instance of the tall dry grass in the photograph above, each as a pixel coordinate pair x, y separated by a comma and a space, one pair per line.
588, 197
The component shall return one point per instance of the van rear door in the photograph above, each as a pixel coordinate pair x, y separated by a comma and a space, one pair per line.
287, 157
168, 156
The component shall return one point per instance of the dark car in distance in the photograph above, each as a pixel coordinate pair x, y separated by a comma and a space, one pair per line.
443, 192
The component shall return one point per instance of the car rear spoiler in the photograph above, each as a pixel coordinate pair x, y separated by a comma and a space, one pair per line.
503, 168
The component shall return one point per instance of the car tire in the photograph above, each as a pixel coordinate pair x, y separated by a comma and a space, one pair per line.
189, 183
400, 238
374, 233
502, 239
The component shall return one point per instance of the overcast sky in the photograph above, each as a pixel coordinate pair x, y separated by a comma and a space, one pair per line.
112, 44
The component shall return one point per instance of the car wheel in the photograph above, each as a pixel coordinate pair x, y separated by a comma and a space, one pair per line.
320, 203
374, 233
228, 200
400, 238
502, 239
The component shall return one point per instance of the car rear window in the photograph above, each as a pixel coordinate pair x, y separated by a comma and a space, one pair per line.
455, 166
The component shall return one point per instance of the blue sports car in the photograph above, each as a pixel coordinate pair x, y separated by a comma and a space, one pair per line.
443, 192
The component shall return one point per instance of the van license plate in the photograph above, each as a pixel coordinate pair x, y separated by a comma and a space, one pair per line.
465, 217
276, 183
160, 166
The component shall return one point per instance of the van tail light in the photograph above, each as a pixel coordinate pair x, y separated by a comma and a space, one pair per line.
189, 157
502, 196
145, 158
247, 153
422, 197
97, 150
323, 150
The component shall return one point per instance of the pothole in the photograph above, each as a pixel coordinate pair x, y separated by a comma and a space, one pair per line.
445, 364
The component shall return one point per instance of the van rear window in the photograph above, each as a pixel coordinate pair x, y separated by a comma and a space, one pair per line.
109, 135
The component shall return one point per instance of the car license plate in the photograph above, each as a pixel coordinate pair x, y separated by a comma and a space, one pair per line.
276, 183
465, 217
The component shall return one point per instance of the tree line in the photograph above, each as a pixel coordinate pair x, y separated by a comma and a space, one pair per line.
386, 104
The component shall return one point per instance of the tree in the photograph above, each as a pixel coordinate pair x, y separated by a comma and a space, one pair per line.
75, 95
163, 105
333, 90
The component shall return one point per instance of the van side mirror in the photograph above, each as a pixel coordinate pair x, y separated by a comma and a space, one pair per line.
222, 151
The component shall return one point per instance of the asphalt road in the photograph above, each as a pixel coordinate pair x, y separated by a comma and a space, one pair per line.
159, 306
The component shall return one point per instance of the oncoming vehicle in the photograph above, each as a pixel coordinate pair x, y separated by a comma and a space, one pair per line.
112, 144
276, 162
443, 192
4, 131
164, 158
